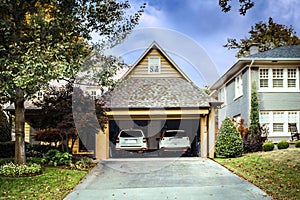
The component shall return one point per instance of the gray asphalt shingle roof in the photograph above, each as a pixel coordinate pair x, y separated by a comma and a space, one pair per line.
157, 93
280, 52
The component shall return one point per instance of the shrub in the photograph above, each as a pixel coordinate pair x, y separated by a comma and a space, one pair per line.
37, 150
268, 146
56, 158
83, 163
229, 142
13, 170
283, 144
297, 144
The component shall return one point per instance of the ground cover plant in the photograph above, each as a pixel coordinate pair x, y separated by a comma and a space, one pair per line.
54, 183
275, 172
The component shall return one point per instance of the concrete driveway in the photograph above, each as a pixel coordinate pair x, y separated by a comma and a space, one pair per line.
163, 178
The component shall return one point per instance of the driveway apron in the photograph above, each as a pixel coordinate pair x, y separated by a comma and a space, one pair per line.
163, 178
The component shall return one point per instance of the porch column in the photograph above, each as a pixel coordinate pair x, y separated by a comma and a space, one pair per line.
203, 137
102, 144
211, 132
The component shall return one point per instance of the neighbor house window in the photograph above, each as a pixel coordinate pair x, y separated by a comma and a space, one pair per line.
277, 78
39, 95
94, 94
291, 79
222, 95
238, 86
278, 121
264, 78
264, 118
154, 64
292, 117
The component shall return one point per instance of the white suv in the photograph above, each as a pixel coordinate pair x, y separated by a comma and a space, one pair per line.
131, 139
175, 140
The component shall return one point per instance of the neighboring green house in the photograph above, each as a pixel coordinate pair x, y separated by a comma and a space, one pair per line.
276, 73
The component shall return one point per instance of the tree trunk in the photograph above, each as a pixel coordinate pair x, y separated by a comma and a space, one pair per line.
20, 156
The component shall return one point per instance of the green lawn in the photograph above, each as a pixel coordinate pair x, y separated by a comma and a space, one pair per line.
276, 172
54, 183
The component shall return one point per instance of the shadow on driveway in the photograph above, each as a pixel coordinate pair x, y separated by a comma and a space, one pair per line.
163, 178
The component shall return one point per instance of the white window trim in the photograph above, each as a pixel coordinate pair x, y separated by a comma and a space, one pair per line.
285, 87
149, 66
285, 123
238, 86
224, 97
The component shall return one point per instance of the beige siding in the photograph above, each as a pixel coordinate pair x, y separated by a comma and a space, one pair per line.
166, 70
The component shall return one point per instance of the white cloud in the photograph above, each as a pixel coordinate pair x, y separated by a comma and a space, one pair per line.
152, 17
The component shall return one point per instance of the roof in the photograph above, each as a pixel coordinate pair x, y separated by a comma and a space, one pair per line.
280, 52
284, 53
157, 93
28, 106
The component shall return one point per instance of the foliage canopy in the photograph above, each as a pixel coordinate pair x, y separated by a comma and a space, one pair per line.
266, 35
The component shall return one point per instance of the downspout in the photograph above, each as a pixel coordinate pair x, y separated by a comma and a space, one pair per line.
250, 89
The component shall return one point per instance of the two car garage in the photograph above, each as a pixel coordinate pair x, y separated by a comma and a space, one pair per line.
153, 130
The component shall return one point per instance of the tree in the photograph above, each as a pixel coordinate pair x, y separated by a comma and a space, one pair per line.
43, 40
253, 141
266, 36
5, 128
229, 142
245, 5
57, 120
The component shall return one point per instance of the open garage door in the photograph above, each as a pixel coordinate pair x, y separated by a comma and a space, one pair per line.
153, 130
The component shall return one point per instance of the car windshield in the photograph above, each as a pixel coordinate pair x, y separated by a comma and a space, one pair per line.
131, 133
174, 134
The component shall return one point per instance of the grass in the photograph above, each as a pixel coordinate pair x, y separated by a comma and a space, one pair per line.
54, 183
275, 172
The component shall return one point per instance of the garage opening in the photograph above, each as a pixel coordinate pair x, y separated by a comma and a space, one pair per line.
153, 130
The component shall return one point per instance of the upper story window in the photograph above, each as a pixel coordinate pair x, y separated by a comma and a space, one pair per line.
222, 95
154, 65
264, 78
94, 94
291, 78
278, 79
238, 86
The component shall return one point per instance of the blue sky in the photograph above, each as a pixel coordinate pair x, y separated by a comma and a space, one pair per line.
203, 22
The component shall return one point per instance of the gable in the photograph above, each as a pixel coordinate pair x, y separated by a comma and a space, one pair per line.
166, 69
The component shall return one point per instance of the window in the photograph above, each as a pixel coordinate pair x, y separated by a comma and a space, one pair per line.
292, 117
222, 95
238, 86
277, 121
94, 94
291, 81
277, 78
40, 95
154, 64
264, 78
264, 118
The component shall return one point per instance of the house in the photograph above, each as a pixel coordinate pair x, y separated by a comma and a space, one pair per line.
276, 74
155, 94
